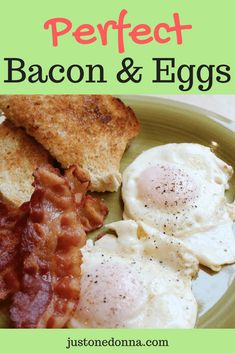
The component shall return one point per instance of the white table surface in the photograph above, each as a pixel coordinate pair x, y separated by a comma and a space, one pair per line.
220, 104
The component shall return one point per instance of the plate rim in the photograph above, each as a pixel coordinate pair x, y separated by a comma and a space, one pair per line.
217, 118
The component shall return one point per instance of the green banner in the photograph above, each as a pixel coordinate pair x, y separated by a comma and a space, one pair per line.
117, 340
117, 47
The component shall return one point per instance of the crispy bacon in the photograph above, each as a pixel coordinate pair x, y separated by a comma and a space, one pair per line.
40, 245
12, 222
92, 213
78, 181
51, 244
92, 210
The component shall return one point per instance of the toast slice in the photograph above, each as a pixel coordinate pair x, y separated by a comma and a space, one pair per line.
20, 155
91, 131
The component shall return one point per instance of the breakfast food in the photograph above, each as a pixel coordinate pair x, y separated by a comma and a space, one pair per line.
50, 253
179, 189
12, 222
142, 278
91, 211
20, 155
91, 131
40, 247
139, 272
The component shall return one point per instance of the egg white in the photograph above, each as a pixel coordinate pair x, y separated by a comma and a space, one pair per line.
139, 279
179, 189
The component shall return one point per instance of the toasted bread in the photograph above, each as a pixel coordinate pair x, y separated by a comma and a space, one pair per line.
91, 131
19, 156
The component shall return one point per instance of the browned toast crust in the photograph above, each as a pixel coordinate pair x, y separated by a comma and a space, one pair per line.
88, 130
19, 156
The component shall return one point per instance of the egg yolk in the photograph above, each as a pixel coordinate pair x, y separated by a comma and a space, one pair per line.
110, 294
164, 186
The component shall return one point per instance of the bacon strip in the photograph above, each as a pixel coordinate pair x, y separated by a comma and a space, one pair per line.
12, 222
40, 245
92, 211
51, 254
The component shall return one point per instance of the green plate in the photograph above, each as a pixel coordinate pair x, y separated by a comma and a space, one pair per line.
164, 121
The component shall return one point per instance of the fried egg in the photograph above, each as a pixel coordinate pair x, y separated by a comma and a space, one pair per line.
139, 278
179, 189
